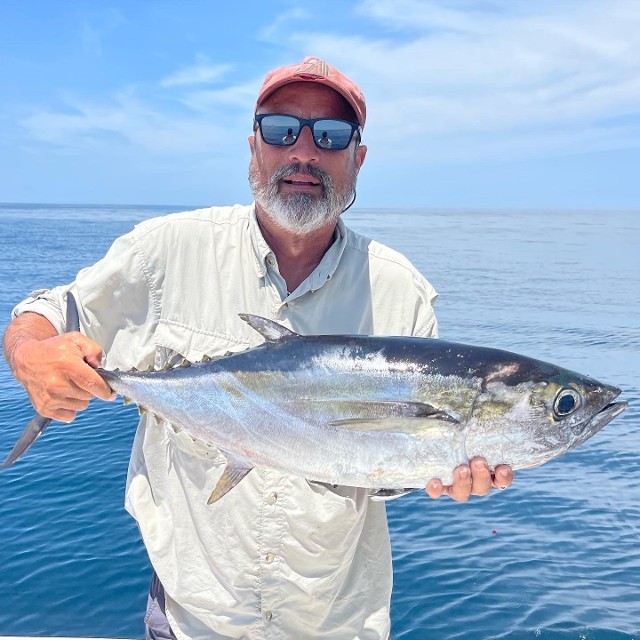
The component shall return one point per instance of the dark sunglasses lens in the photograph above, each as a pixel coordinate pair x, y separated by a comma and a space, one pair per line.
280, 130
332, 134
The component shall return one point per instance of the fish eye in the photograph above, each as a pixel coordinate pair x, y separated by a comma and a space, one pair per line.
566, 402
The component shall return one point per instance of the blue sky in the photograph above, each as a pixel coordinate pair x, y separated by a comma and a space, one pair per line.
471, 103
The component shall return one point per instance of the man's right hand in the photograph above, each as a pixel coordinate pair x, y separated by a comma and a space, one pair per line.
58, 374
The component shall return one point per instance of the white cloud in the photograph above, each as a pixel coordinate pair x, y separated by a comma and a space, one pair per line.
125, 121
540, 75
203, 72
445, 81
285, 23
240, 96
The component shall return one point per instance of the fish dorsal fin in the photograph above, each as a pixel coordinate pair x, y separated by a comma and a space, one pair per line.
271, 331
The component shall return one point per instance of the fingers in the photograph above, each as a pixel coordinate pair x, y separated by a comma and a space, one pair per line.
434, 488
482, 478
91, 351
56, 376
91, 381
459, 490
503, 476
473, 479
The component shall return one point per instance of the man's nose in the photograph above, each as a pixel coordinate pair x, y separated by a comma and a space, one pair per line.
304, 150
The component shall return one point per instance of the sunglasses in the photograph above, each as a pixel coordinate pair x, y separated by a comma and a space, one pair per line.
283, 130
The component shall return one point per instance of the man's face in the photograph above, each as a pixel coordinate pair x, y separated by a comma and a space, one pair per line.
301, 187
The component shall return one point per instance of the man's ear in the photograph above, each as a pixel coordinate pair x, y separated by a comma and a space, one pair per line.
361, 154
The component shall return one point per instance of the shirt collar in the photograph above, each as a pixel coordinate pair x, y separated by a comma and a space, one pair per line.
323, 272
259, 245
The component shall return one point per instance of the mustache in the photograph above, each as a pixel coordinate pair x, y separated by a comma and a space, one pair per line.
300, 169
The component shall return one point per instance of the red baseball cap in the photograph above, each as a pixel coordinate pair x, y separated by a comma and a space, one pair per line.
313, 69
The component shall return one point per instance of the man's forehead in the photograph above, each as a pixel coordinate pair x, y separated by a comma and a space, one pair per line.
307, 95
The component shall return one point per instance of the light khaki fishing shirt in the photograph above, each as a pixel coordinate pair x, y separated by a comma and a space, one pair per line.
277, 557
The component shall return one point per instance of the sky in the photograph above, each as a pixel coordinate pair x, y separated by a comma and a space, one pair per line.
471, 103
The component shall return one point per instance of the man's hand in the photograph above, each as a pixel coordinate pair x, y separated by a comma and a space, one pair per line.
58, 374
473, 479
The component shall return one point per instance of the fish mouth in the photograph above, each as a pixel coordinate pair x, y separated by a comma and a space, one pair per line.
605, 416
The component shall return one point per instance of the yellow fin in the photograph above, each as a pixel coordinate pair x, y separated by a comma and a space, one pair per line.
229, 479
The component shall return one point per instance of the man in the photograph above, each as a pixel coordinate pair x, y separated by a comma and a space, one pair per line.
277, 557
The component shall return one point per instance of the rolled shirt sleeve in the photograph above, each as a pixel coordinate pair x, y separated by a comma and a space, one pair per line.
115, 305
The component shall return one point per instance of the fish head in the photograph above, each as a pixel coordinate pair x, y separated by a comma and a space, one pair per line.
536, 420
578, 406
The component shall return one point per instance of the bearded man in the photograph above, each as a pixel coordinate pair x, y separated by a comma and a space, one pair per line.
278, 557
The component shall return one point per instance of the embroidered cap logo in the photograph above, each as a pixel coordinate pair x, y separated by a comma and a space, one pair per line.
313, 67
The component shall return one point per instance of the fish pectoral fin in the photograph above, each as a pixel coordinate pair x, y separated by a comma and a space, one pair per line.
230, 477
376, 409
421, 426
271, 331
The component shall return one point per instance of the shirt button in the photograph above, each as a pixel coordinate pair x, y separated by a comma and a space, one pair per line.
268, 615
272, 498
269, 558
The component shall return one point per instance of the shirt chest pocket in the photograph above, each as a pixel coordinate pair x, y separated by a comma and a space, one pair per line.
176, 343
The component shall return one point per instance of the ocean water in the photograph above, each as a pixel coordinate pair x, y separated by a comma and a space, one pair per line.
556, 556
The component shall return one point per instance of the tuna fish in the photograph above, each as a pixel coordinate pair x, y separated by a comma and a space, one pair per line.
385, 413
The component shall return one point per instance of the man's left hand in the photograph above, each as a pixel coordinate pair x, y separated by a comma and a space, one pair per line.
474, 479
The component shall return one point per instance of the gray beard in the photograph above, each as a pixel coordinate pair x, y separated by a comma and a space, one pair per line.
300, 213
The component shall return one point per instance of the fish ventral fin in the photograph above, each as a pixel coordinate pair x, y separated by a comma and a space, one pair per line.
271, 331
233, 473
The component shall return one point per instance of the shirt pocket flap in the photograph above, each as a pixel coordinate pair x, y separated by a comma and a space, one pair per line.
175, 342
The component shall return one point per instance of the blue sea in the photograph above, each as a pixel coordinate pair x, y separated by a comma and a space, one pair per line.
556, 556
